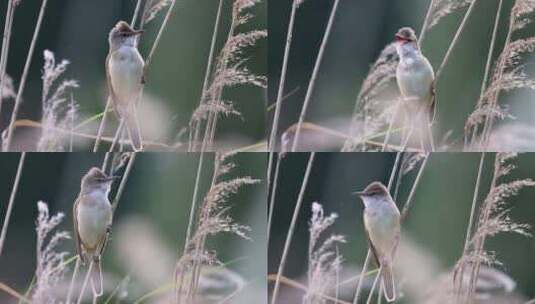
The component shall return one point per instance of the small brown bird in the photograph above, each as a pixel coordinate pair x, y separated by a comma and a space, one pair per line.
382, 226
92, 217
125, 76
416, 80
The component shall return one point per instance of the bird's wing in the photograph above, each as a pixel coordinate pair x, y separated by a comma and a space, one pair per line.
105, 238
372, 248
108, 79
76, 235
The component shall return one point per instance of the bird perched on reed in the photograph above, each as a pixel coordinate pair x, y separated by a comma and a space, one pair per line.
92, 217
125, 77
382, 226
416, 79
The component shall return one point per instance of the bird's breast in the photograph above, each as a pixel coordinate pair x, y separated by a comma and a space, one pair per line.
415, 78
94, 217
126, 72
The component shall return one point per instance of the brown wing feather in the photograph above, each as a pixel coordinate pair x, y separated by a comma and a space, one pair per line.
370, 244
76, 235
110, 87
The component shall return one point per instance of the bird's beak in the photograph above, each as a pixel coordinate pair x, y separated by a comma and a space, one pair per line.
359, 193
398, 37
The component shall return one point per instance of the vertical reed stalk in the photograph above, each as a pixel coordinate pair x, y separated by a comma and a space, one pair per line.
407, 205
11, 201
84, 285
480, 242
73, 279
197, 124
280, 92
314, 76
423, 31
493, 100
291, 230
22, 84
273, 194
455, 39
102, 125
459, 290
484, 82
126, 174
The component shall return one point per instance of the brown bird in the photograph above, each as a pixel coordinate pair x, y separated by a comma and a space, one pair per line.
92, 217
382, 226
124, 71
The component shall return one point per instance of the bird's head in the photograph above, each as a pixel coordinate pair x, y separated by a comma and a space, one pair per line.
123, 34
95, 178
375, 191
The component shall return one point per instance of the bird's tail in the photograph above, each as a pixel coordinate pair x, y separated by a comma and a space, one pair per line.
96, 278
388, 282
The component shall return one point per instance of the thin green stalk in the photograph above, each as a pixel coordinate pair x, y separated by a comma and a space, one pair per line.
314, 76
407, 205
160, 32
480, 242
211, 123
84, 285
291, 230
194, 199
470, 222
273, 194
11, 201
126, 174
423, 31
102, 125
22, 84
207, 73
136, 13
390, 125
74, 274
489, 120
488, 65
372, 290
280, 92
361, 276
455, 39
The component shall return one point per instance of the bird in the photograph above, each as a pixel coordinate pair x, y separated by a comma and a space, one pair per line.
416, 80
92, 218
382, 226
125, 69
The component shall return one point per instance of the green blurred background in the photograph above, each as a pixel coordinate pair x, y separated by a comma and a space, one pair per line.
149, 224
360, 31
78, 30
432, 234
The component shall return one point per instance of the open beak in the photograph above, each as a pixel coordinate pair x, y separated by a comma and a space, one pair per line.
398, 37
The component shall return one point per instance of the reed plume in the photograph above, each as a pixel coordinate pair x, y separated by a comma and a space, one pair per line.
51, 266
213, 218
58, 112
323, 260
